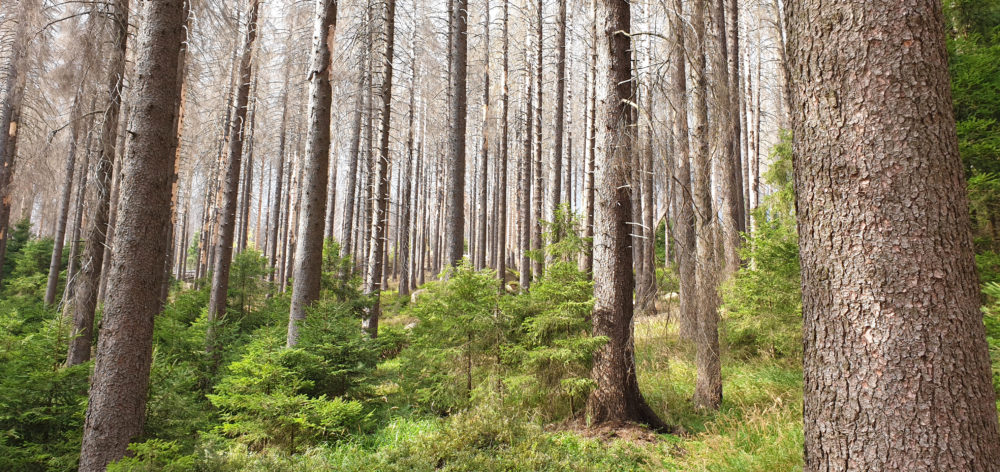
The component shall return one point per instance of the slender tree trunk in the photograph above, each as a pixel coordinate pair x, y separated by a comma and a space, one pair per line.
117, 406
683, 196
308, 268
537, 192
409, 182
896, 365
555, 179
55, 263
501, 217
93, 257
587, 256
708, 383
726, 124
524, 186
380, 209
227, 214
617, 397
81, 202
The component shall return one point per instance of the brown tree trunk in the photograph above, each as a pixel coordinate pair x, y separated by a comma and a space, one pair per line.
409, 183
685, 222
524, 184
708, 384
501, 217
896, 365
55, 263
93, 257
380, 209
308, 268
587, 263
117, 406
617, 397
455, 185
555, 179
227, 214
81, 201
537, 193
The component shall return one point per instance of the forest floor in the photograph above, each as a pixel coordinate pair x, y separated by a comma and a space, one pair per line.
758, 428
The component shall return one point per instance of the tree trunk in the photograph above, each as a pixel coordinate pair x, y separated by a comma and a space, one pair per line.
685, 222
896, 365
455, 204
587, 263
352, 165
524, 185
555, 181
308, 268
81, 201
617, 397
93, 257
708, 384
117, 406
409, 183
227, 214
501, 218
380, 209
55, 263
537, 192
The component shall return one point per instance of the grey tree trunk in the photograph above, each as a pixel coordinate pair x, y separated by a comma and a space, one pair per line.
685, 221
81, 201
538, 192
380, 208
501, 217
455, 185
479, 255
117, 406
896, 365
352, 165
89, 279
524, 185
587, 257
555, 180
409, 184
708, 382
227, 214
617, 397
308, 264
55, 263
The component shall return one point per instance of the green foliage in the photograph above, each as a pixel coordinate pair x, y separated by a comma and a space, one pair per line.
763, 301
456, 341
247, 281
262, 401
20, 234
552, 355
155, 455
991, 317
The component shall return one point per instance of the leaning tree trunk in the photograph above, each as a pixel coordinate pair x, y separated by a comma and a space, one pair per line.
380, 209
117, 406
617, 397
87, 286
308, 267
55, 263
227, 214
896, 365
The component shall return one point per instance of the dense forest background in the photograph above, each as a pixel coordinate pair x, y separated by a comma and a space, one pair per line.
461, 375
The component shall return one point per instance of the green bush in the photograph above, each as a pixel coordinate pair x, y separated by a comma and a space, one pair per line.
763, 302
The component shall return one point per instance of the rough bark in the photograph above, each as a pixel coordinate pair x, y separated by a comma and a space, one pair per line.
380, 210
308, 264
537, 192
524, 184
587, 257
117, 405
230, 187
897, 372
409, 185
455, 204
55, 263
617, 397
685, 222
555, 180
501, 217
479, 259
87, 286
708, 382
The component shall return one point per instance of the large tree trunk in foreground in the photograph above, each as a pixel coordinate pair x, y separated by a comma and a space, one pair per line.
85, 302
455, 205
897, 373
227, 211
308, 268
117, 406
617, 398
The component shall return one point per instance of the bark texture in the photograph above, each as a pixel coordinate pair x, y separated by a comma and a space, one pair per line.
455, 206
617, 397
308, 264
897, 374
117, 406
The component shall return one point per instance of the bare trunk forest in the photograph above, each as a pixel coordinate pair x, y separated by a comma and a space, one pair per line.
485, 235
